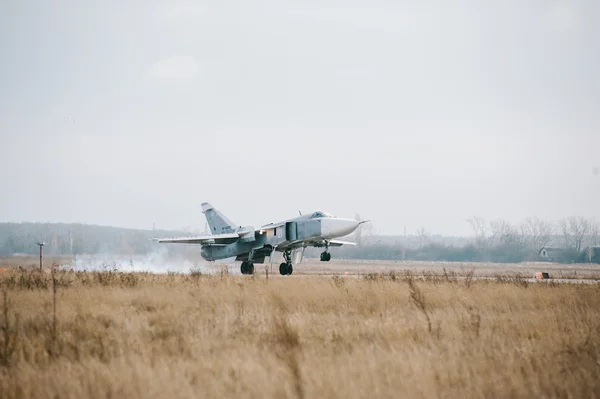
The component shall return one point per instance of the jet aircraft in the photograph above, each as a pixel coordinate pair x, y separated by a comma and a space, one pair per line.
251, 245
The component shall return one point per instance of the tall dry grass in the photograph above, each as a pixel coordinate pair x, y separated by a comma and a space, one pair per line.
141, 335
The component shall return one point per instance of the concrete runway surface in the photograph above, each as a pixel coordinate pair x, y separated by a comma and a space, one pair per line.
564, 273
159, 263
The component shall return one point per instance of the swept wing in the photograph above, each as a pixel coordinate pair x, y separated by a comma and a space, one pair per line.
210, 239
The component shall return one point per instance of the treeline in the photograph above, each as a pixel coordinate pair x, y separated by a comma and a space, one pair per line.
74, 239
467, 253
573, 240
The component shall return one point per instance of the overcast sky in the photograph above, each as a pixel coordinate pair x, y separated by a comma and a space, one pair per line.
412, 113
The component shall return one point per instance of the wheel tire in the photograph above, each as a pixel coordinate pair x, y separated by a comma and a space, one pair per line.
290, 269
250, 268
283, 269
244, 268
322, 256
328, 257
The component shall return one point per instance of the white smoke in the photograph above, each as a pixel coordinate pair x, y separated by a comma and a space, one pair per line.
155, 262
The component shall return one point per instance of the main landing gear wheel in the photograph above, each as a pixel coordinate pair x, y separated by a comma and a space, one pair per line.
247, 268
325, 256
285, 269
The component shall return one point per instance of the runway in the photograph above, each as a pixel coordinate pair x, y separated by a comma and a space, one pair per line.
559, 273
311, 267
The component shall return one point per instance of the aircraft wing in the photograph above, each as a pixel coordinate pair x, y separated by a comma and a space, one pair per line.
211, 239
337, 243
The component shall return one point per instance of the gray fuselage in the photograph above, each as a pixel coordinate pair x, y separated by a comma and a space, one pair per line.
290, 234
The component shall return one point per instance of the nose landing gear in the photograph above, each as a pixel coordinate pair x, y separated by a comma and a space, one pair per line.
325, 255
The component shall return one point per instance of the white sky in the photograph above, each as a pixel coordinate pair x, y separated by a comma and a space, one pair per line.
410, 113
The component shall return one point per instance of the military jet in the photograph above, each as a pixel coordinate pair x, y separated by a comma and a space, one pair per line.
252, 245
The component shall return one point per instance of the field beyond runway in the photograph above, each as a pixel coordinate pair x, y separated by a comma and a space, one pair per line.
139, 335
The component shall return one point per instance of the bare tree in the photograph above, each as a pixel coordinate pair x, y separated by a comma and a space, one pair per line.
564, 230
502, 232
366, 232
538, 231
359, 230
592, 239
593, 235
580, 228
575, 230
479, 228
363, 232
545, 231
506, 233
423, 236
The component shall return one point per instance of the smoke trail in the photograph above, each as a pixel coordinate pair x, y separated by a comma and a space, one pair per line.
157, 261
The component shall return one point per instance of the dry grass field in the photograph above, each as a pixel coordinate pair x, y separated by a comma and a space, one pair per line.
135, 335
31, 262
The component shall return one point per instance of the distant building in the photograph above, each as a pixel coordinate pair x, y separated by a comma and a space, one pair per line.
550, 253
555, 254
562, 255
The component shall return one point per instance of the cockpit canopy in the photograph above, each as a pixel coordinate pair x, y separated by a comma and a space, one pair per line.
320, 214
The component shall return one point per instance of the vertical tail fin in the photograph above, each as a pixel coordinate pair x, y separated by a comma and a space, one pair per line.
217, 222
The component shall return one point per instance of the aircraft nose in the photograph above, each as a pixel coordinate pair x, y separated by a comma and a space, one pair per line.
331, 228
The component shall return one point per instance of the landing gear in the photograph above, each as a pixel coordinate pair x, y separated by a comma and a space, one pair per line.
325, 256
247, 268
286, 267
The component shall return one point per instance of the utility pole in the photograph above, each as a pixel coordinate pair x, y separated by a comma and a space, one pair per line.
41, 244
